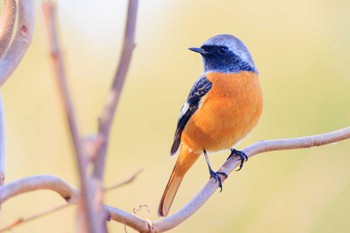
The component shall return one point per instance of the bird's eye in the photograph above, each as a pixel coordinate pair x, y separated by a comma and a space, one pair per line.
223, 50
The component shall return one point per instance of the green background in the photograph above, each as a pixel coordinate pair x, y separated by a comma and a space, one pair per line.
302, 51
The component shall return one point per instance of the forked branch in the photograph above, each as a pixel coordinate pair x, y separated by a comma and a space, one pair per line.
48, 182
91, 187
10, 61
144, 225
91, 217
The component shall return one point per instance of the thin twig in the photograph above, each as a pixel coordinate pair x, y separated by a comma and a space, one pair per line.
92, 220
7, 24
33, 217
145, 225
124, 182
21, 40
108, 112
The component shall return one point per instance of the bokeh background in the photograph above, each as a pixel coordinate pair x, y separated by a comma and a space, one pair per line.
302, 51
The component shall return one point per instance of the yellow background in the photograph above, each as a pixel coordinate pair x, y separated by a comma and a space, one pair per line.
302, 51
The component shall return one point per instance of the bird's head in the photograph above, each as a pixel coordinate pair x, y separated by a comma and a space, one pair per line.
225, 53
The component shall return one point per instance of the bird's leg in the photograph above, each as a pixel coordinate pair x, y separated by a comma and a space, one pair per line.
242, 156
215, 175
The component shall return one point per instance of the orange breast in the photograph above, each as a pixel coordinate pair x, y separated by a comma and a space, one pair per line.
226, 114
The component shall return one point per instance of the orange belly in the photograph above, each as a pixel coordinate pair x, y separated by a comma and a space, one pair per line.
229, 111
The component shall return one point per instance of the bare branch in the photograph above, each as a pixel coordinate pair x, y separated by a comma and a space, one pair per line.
21, 40
46, 182
11, 225
131, 220
33, 217
43, 182
259, 147
124, 182
70, 194
2, 143
10, 61
105, 120
7, 24
50, 183
298, 143
145, 225
92, 219
33, 183
209, 189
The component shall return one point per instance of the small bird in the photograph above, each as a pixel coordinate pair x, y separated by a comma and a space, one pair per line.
223, 106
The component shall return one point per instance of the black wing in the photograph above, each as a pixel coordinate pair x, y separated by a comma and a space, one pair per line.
200, 88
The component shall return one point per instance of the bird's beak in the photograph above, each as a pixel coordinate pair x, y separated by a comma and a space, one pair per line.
198, 50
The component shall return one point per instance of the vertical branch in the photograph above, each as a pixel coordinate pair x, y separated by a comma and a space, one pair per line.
2, 143
111, 104
91, 219
7, 24
11, 57
21, 40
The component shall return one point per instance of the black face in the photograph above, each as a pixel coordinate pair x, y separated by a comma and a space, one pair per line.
221, 59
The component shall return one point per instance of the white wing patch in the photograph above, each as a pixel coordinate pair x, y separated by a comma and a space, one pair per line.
184, 109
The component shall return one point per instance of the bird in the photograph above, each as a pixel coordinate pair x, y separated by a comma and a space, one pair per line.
222, 107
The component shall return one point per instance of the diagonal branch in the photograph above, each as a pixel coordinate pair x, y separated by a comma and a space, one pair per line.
210, 188
144, 225
21, 40
108, 112
90, 213
257, 148
32, 218
124, 182
7, 24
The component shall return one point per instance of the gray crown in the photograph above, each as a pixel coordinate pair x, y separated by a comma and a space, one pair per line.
234, 44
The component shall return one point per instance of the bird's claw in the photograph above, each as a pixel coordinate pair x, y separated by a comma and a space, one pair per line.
217, 177
243, 157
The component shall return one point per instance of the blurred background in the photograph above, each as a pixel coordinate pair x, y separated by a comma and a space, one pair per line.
302, 51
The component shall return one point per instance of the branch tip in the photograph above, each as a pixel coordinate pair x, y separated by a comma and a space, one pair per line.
111, 103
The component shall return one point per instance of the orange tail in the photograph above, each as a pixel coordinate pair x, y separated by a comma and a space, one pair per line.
186, 159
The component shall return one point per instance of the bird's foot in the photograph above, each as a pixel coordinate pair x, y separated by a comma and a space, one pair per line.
242, 157
217, 177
